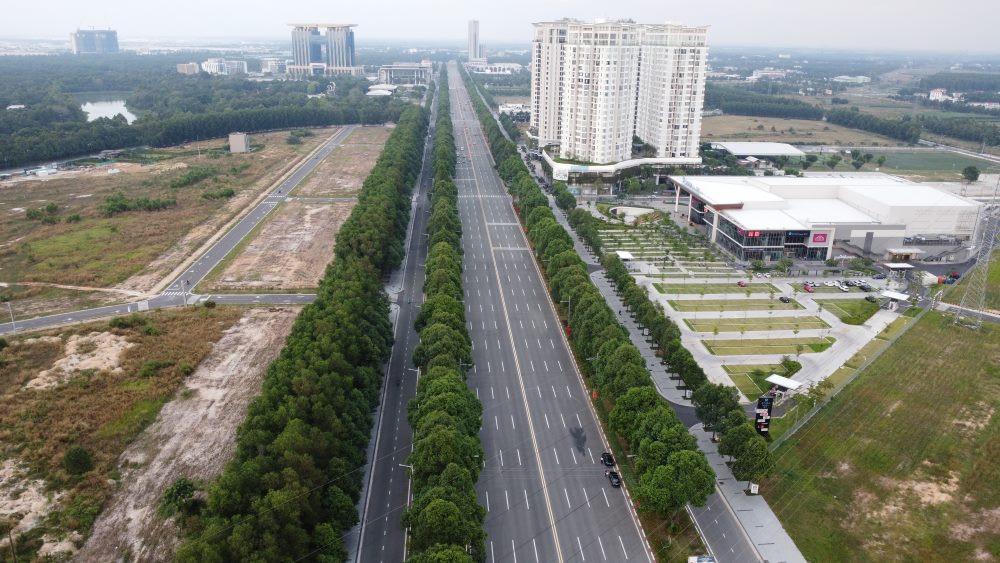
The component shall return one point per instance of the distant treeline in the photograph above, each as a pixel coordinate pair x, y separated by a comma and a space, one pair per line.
744, 102
965, 129
962, 81
903, 129
172, 108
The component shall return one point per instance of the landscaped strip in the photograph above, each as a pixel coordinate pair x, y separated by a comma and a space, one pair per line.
445, 519
665, 468
291, 490
750, 346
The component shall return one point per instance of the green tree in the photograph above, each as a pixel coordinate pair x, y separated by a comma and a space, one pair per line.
735, 439
880, 160
687, 477
77, 460
833, 161
712, 401
970, 173
755, 462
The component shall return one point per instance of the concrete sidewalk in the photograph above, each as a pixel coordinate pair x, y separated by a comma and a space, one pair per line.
759, 522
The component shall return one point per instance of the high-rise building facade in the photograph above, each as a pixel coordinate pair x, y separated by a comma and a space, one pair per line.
477, 52
94, 41
323, 53
595, 85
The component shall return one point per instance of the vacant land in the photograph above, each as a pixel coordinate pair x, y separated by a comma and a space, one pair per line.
736, 304
903, 464
289, 251
345, 169
850, 311
786, 346
710, 288
91, 390
918, 165
798, 131
756, 323
76, 240
193, 437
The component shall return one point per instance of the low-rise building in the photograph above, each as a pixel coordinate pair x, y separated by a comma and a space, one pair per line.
188, 68
224, 67
273, 65
239, 142
406, 73
852, 79
769, 218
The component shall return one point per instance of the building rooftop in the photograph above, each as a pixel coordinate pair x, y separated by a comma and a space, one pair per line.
758, 149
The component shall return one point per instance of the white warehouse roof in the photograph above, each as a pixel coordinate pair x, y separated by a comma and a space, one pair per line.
758, 149
790, 203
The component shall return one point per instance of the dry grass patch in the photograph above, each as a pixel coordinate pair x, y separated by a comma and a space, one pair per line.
747, 128
136, 249
100, 410
344, 170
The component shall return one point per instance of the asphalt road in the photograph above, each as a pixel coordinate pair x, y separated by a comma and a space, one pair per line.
387, 491
178, 292
546, 493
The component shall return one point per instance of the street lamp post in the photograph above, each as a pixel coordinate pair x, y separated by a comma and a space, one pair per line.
13, 325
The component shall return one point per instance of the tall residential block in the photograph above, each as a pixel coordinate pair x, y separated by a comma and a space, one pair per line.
595, 85
323, 50
477, 53
94, 41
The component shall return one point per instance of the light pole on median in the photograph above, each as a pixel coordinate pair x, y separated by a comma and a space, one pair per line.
13, 325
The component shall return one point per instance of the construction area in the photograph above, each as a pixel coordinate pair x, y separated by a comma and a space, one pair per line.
342, 173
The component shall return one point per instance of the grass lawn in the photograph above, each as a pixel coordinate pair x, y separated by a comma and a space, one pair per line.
698, 288
740, 347
101, 410
924, 165
903, 464
701, 305
749, 378
850, 311
802, 131
756, 323
992, 286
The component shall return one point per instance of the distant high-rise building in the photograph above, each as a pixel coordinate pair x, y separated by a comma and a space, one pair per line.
94, 41
595, 85
477, 52
315, 53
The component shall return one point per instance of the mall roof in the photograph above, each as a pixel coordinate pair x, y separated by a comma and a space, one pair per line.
758, 149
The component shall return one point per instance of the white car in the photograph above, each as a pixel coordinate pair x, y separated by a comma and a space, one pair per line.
844, 288
768, 276
829, 283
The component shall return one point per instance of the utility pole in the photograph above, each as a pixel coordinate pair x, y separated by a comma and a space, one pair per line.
13, 325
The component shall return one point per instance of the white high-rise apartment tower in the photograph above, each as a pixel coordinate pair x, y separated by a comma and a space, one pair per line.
595, 85
476, 51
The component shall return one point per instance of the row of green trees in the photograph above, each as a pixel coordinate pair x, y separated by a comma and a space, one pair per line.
587, 227
445, 518
672, 472
903, 128
651, 316
291, 489
741, 101
974, 130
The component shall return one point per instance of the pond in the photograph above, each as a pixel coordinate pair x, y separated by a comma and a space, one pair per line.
106, 107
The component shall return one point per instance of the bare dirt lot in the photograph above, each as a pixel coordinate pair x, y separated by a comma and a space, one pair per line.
345, 169
193, 437
289, 251
74, 242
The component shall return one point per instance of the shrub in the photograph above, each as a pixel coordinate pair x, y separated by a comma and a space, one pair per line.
74, 218
209, 304
130, 321
3, 343
224, 193
151, 367
177, 497
185, 369
77, 460
192, 176
33, 214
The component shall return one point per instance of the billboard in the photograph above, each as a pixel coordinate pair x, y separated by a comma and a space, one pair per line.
762, 415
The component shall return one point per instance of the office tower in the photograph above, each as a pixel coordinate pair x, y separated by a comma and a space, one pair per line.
477, 52
94, 41
323, 53
595, 85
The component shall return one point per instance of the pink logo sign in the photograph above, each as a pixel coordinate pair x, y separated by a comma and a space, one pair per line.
819, 237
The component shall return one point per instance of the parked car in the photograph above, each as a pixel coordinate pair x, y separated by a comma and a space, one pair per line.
784, 299
829, 283
870, 298
767, 275
879, 276
608, 459
615, 479
808, 288
844, 288
741, 283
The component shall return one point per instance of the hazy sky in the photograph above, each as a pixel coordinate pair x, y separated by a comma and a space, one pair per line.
955, 25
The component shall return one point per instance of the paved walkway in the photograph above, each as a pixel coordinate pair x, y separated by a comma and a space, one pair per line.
772, 542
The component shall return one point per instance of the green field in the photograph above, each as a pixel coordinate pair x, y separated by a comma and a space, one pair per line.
740, 347
904, 464
928, 165
992, 286
708, 288
701, 305
850, 311
757, 323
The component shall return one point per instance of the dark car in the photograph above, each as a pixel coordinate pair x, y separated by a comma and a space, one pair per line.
870, 298
784, 299
608, 459
616, 480
879, 276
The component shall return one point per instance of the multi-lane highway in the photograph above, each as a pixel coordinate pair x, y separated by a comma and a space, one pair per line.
387, 490
178, 292
546, 493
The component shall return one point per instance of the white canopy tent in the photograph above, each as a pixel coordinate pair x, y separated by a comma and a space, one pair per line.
789, 384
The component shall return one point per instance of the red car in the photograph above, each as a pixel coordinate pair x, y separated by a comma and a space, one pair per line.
808, 288
741, 283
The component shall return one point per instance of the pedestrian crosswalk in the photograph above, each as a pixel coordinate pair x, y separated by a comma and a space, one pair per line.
175, 293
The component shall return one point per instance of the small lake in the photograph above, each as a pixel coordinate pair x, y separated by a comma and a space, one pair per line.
97, 108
